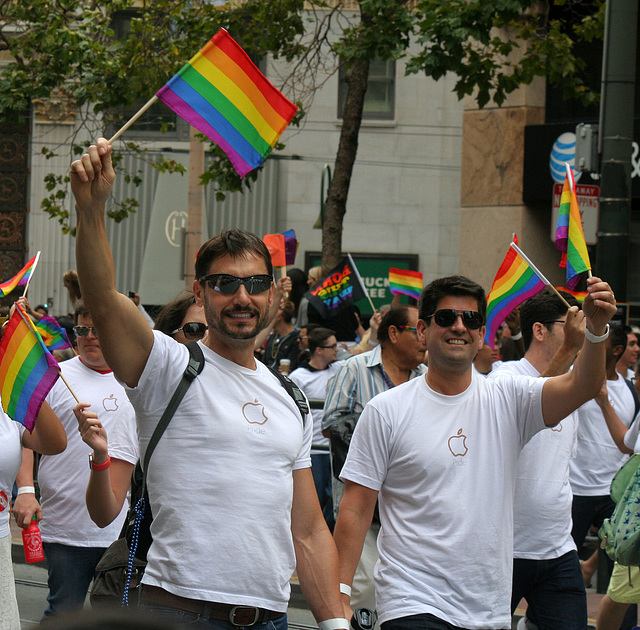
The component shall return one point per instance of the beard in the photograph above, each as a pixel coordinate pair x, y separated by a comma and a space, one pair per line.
218, 323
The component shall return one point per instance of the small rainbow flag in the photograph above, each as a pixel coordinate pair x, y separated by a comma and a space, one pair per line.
20, 279
290, 246
54, 336
579, 295
569, 233
405, 282
224, 95
276, 245
515, 282
27, 370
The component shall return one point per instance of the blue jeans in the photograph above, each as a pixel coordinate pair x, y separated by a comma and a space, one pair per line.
554, 590
321, 471
196, 621
71, 570
423, 621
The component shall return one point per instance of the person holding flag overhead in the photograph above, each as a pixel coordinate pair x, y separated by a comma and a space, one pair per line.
440, 459
239, 442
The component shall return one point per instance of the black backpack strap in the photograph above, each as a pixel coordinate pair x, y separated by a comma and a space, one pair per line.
194, 367
294, 391
636, 400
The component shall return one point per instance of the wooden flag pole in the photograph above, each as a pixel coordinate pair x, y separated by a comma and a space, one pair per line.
64, 380
366, 292
539, 273
35, 264
135, 117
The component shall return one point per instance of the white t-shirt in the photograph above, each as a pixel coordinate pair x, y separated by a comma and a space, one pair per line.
542, 503
10, 460
314, 384
597, 457
220, 480
123, 435
445, 468
63, 478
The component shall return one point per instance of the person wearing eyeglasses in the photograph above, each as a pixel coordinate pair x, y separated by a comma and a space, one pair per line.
230, 485
312, 378
397, 359
440, 454
73, 543
546, 568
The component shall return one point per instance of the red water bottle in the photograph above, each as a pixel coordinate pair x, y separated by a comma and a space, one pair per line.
32, 541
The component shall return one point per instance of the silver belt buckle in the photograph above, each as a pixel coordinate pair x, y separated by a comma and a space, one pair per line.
232, 615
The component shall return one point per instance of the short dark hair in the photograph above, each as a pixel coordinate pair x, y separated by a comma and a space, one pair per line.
618, 335
544, 308
398, 316
310, 326
171, 315
457, 286
79, 308
235, 243
289, 311
318, 336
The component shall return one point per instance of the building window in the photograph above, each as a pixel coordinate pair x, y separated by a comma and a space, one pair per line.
379, 101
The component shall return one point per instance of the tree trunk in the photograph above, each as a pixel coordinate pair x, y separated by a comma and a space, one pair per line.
336, 205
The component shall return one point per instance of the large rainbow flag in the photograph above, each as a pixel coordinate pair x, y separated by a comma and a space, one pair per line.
514, 283
405, 282
569, 233
54, 336
224, 95
27, 370
20, 279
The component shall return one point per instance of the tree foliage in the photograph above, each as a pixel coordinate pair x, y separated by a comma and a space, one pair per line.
77, 50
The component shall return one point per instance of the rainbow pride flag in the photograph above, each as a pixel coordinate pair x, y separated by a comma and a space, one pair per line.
54, 336
579, 295
405, 282
569, 233
223, 94
20, 279
290, 246
27, 370
514, 283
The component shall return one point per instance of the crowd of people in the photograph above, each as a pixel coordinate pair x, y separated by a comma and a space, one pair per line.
469, 478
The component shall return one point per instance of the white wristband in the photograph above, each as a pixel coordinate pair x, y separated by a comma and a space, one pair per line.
26, 490
334, 624
595, 338
517, 336
345, 589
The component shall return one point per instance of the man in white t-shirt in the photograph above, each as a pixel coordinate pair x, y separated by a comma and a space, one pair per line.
626, 365
312, 377
546, 568
230, 485
440, 453
73, 543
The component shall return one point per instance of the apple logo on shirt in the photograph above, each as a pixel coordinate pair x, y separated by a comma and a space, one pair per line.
458, 444
110, 404
253, 412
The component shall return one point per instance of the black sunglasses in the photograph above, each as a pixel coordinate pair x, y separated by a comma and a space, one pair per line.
192, 330
446, 317
83, 331
228, 284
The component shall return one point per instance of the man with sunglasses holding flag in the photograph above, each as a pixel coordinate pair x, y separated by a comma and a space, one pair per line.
234, 505
440, 454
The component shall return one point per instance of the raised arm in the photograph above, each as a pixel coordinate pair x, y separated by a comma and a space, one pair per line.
107, 489
563, 394
573, 342
616, 427
125, 336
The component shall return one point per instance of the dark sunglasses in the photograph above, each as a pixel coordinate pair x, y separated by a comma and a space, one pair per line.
446, 317
83, 331
228, 284
332, 347
192, 330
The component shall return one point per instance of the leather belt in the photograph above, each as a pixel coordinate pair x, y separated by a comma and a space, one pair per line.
236, 615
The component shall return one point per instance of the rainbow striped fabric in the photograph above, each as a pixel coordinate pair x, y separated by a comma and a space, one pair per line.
514, 283
405, 282
224, 95
27, 370
20, 279
54, 336
569, 233
579, 295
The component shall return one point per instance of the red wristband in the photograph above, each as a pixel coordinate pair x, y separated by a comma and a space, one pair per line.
102, 466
